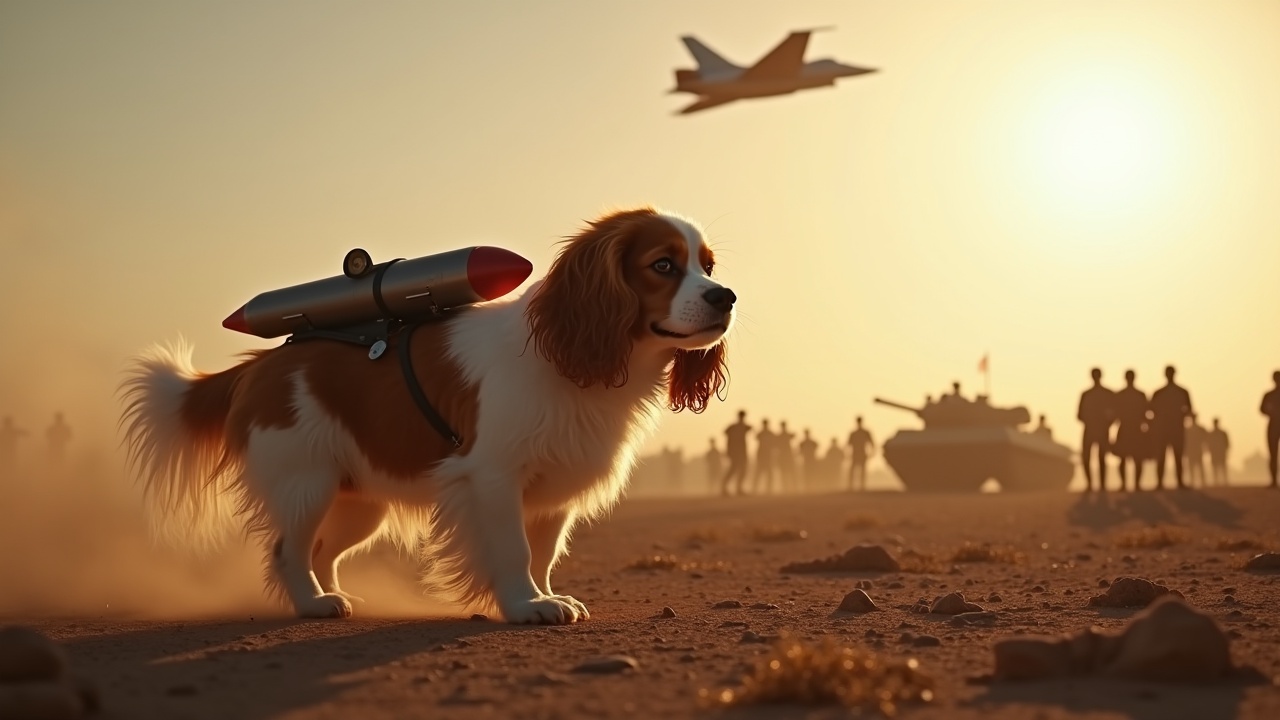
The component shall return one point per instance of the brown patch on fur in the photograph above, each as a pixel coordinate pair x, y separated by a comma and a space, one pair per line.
706, 258
260, 400
601, 293
371, 399
210, 397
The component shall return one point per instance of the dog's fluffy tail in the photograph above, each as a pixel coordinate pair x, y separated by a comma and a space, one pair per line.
174, 424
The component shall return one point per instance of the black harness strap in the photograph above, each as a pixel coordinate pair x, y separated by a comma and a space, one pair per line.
377, 288
415, 389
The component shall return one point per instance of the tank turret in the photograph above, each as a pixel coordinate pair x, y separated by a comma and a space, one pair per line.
954, 411
966, 442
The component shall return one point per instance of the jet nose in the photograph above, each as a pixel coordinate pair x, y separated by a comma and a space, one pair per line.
721, 298
851, 70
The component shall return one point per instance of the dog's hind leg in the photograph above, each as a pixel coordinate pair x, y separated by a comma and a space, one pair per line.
291, 557
349, 525
293, 491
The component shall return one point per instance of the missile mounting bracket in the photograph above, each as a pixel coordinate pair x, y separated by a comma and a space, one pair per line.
374, 336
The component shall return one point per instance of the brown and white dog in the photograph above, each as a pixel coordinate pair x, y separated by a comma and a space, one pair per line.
318, 451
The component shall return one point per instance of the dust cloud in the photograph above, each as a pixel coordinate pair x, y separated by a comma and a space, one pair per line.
74, 532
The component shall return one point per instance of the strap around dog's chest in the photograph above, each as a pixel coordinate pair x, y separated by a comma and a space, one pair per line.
369, 337
415, 390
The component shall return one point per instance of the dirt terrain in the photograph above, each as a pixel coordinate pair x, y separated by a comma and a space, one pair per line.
1048, 554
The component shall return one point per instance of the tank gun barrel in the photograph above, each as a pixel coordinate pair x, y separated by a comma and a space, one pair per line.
900, 406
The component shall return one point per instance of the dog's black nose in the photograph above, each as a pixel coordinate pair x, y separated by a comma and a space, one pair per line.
720, 298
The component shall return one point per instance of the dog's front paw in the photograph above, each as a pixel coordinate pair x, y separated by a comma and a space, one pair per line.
545, 610
577, 605
325, 606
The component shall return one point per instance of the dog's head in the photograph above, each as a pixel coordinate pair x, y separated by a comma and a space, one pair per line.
636, 280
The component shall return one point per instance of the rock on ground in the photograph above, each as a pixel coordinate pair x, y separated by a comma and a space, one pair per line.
35, 682
859, 558
1129, 592
1170, 641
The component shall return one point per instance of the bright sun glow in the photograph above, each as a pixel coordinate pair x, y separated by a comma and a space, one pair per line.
1100, 146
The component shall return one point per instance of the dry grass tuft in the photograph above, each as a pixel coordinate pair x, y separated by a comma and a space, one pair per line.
828, 674
670, 562
655, 562
985, 553
861, 522
1238, 545
774, 533
914, 561
1160, 536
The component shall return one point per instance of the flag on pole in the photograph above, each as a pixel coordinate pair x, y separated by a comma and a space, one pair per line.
982, 364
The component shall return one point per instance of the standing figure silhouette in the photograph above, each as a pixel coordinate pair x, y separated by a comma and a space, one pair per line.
1131, 412
861, 445
1097, 412
765, 464
1170, 407
808, 462
1193, 450
1271, 408
715, 465
1218, 444
735, 448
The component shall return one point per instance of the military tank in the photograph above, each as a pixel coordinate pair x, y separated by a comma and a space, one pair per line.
965, 442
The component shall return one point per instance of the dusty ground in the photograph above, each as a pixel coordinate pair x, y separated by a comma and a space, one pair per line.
262, 667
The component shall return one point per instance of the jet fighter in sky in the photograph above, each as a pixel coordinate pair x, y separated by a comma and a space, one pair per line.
781, 72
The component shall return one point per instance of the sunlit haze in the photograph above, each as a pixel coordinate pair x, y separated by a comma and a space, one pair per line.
1058, 184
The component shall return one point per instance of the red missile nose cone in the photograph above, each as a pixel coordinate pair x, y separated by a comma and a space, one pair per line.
494, 272
235, 321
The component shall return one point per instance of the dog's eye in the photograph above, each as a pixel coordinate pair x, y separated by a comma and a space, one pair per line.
664, 266
708, 268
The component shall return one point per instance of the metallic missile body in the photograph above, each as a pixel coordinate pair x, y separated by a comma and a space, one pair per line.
413, 289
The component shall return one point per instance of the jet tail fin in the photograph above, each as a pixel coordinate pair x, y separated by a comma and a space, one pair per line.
708, 60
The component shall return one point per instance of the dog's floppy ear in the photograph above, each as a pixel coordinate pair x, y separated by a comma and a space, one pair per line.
583, 316
695, 376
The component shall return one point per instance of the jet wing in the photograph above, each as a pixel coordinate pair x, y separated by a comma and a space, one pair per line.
705, 103
782, 62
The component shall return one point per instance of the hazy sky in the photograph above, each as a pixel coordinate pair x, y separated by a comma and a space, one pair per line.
1061, 184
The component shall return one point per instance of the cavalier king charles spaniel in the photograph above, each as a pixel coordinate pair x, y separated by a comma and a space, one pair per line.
317, 451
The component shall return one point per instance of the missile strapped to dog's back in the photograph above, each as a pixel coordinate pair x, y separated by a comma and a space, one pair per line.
397, 290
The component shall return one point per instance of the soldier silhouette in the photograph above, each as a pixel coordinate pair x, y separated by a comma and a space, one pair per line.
1218, 444
1131, 413
833, 465
1271, 408
9, 436
809, 461
765, 463
1097, 413
735, 446
1170, 406
1043, 429
58, 436
861, 445
1193, 450
784, 455
715, 465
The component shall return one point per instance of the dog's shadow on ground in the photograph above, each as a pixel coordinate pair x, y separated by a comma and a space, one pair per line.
266, 668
